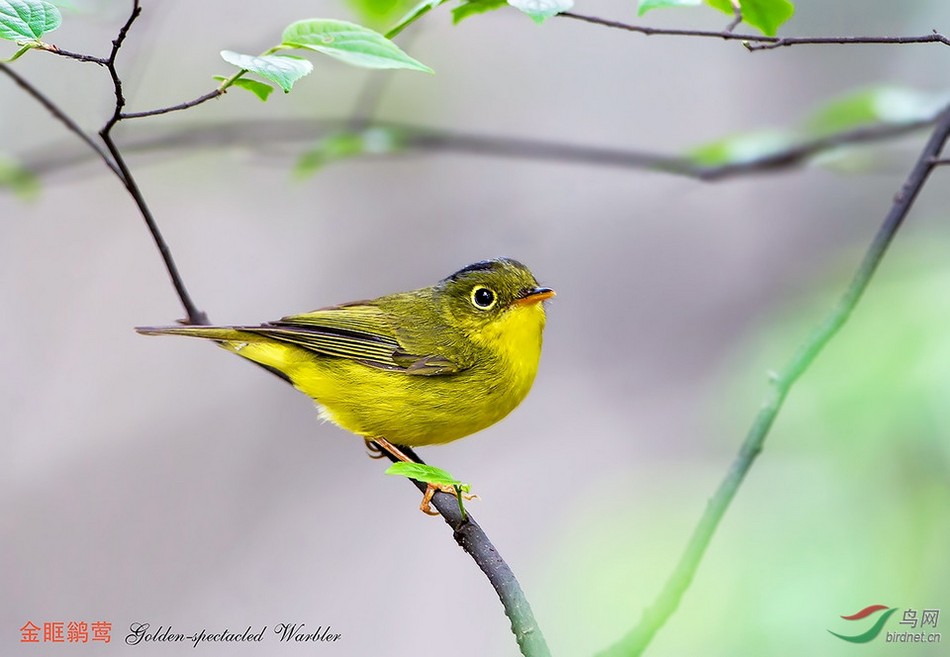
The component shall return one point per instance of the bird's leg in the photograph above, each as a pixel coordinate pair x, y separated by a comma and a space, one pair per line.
379, 445
375, 451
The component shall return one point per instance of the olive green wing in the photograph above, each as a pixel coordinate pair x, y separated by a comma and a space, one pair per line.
361, 332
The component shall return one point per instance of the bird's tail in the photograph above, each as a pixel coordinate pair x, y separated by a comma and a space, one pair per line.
223, 333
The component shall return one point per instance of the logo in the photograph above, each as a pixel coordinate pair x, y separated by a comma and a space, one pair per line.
881, 614
875, 629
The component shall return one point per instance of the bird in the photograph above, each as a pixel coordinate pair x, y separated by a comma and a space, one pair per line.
417, 368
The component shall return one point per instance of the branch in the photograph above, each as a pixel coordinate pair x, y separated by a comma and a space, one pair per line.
174, 108
56, 50
668, 600
57, 157
762, 42
195, 316
473, 540
60, 116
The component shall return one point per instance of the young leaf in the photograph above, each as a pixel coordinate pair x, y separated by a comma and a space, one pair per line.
27, 19
379, 11
284, 70
473, 7
427, 474
765, 15
541, 10
414, 14
741, 148
344, 145
260, 89
883, 104
22, 182
646, 5
350, 43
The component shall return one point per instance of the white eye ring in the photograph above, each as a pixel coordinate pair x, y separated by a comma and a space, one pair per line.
483, 298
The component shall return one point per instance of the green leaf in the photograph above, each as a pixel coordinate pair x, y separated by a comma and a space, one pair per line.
427, 474
344, 145
379, 12
350, 43
283, 70
414, 14
27, 19
260, 89
541, 10
473, 7
646, 5
765, 15
885, 104
20, 181
741, 148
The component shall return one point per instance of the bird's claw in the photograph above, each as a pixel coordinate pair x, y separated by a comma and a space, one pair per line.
432, 489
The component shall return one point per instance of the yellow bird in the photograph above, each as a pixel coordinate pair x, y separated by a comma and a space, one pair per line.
414, 368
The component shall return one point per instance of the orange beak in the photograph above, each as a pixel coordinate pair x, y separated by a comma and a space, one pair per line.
534, 296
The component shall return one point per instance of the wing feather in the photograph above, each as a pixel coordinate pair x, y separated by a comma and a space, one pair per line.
359, 332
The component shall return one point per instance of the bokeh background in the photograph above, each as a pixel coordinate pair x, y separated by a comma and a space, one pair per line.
164, 481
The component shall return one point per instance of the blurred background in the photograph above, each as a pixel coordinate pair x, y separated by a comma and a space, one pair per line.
165, 481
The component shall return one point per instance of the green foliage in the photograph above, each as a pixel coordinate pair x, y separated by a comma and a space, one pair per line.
260, 89
27, 19
740, 148
883, 104
864, 108
283, 70
350, 43
413, 15
14, 177
764, 15
427, 474
344, 145
473, 7
541, 10
379, 12
646, 5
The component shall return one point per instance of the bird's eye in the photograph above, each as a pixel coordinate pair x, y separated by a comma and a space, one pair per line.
483, 298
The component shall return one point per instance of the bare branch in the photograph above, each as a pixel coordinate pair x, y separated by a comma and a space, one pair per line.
175, 108
56, 50
60, 116
760, 42
57, 157
736, 16
669, 598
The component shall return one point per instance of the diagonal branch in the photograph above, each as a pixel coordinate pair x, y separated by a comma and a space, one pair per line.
669, 598
475, 542
195, 316
60, 116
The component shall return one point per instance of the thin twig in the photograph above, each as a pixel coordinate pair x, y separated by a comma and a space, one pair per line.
57, 157
56, 50
758, 41
736, 16
473, 540
195, 316
669, 598
114, 73
175, 108
60, 116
